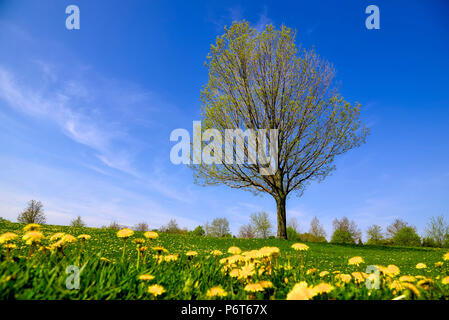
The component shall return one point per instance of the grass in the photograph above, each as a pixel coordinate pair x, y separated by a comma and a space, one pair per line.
43, 275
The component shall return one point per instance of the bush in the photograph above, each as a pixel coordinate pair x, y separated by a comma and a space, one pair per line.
292, 234
342, 236
406, 237
429, 242
198, 231
3, 220
309, 237
77, 223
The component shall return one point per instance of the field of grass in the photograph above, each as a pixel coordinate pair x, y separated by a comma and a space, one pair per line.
109, 272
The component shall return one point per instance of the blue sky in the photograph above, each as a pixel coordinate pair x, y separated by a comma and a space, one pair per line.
86, 114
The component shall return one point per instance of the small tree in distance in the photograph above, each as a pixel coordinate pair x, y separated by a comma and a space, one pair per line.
78, 222
247, 231
34, 213
317, 230
345, 231
218, 228
375, 235
261, 224
142, 227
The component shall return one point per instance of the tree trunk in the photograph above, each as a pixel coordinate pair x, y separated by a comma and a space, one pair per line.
282, 221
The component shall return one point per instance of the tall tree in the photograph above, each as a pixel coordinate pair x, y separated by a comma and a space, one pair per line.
261, 224
262, 80
34, 213
346, 231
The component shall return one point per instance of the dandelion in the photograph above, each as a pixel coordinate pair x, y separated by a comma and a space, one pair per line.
151, 235
346, 278
146, 277
421, 266
323, 273
301, 291
266, 284
234, 250
156, 290
217, 291
445, 280
191, 254
392, 270
125, 233
32, 238
446, 256
7, 237
159, 250
438, 264
32, 227
323, 288
300, 247
355, 261
216, 253
407, 279
57, 236
84, 237
254, 287
311, 271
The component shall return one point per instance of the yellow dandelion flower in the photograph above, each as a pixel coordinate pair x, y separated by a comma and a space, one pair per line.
10, 246
254, 287
234, 250
359, 277
311, 271
32, 227
139, 241
300, 247
323, 288
355, 261
438, 264
84, 236
146, 277
33, 237
392, 270
191, 253
7, 237
301, 291
266, 284
445, 280
125, 233
407, 279
343, 277
217, 291
156, 290
57, 236
446, 256
216, 253
421, 266
151, 235
68, 238
269, 252
323, 273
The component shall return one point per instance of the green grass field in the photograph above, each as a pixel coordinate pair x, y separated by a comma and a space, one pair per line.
43, 274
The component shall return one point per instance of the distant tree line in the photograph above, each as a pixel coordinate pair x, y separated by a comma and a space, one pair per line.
345, 231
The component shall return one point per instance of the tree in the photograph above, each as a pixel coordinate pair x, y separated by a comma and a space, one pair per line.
261, 224
34, 213
406, 236
375, 235
171, 227
293, 223
246, 231
218, 228
316, 229
345, 231
437, 231
292, 234
395, 227
142, 227
78, 222
262, 80
198, 231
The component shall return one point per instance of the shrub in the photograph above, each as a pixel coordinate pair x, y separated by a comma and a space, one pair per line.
78, 222
292, 234
342, 236
198, 231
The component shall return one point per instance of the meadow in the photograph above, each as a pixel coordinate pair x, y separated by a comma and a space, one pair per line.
134, 265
